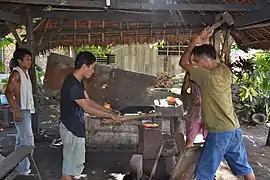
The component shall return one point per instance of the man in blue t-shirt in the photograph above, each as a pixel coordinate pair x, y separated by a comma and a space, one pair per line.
74, 102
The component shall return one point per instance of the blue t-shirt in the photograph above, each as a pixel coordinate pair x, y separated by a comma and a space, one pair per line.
71, 114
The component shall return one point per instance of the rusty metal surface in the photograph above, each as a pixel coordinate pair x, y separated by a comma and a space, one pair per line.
58, 66
170, 111
149, 142
118, 87
180, 140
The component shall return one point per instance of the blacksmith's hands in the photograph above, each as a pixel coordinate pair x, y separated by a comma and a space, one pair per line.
115, 117
203, 37
117, 112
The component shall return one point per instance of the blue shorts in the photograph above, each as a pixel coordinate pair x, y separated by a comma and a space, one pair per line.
218, 145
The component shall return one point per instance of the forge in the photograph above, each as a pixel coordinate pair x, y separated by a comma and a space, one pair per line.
157, 149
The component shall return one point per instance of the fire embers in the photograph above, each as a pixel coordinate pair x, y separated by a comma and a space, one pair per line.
108, 106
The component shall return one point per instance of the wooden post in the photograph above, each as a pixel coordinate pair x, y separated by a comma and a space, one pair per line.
268, 137
72, 52
31, 48
216, 44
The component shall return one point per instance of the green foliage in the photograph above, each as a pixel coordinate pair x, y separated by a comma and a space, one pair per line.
262, 61
98, 51
158, 44
235, 46
4, 83
6, 41
253, 78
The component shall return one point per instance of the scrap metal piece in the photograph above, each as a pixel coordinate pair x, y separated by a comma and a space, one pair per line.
123, 88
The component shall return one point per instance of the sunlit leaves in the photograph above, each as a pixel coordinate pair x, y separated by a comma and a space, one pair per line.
98, 51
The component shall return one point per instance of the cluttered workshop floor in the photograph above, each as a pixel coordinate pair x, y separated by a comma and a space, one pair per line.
100, 163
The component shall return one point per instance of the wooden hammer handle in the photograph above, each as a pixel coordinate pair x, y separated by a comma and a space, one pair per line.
216, 25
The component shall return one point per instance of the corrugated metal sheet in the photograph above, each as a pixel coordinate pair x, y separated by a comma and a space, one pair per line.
143, 59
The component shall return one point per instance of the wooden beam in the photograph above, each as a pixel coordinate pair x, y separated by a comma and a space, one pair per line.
185, 7
51, 36
11, 17
12, 28
261, 3
144, 6
237, 34
117, 16
179, 29
31, 47
253, 17
38, 24
254, 26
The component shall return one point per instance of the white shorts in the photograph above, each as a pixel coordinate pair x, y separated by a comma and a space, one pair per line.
73, 152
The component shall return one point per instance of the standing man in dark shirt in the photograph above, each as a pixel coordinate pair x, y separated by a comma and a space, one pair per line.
73, 104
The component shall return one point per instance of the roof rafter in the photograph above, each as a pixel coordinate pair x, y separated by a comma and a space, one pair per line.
253, 17
11, 17
117, 16
145, 6
178, 29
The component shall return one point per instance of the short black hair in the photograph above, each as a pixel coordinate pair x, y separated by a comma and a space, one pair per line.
84, 57
20, 53
205, 50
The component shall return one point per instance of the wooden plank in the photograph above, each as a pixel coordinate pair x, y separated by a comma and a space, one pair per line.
124, 16
12, 160
185, 166
182, 29
38, 24
11, 17
260, 25
253, 17
185, 7
145, 6
67, 3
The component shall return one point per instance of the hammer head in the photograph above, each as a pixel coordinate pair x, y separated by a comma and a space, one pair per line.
228, 18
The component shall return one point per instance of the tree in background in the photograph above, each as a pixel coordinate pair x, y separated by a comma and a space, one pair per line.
98, 51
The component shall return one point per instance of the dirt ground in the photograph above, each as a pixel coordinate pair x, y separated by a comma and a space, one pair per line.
100, 163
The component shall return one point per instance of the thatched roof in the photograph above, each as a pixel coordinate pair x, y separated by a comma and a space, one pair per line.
77, 22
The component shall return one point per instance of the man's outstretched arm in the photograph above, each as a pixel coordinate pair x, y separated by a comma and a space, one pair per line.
203, 37
92, 110
95, 104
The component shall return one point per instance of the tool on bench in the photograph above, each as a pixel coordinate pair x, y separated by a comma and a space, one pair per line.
131, 117
226, 17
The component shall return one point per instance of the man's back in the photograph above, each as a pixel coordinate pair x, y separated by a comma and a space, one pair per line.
219, 115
